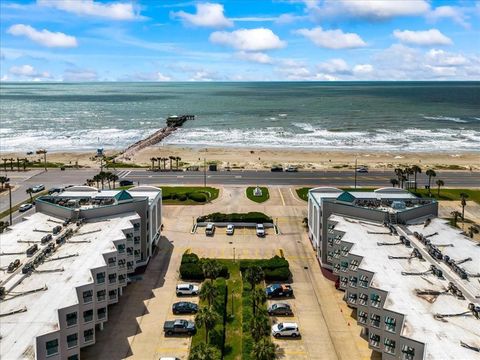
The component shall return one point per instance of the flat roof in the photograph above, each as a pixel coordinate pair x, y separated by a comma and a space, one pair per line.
57, 278
442, 338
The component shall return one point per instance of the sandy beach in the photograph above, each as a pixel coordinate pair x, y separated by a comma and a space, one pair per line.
242, 158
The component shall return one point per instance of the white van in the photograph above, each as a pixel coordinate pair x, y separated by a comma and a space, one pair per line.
210, 229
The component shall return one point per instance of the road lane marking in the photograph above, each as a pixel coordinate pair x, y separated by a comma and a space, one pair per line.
281, 197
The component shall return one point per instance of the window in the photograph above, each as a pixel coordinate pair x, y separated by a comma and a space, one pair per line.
102, 313
136, 226
336, 254
121, 263
343, 281
72, 340
129, 251
389, 345
363, 299
374, 339
112, 262
344, 265
362, 317
353, 281
390, 324
100, 278
121, 248
136, 240
130, 265
375, 300
88, 335
87, 296
129, 236
336, 268
72, 319
112, 294
112, 278
330, 241
122, 278
364, 281
88, 315
408, 352
51, 347
375, 320
354, 264
352, 298
73, 357
345, 250
137, 253
101, 295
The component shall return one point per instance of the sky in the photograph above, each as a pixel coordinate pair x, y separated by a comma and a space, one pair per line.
240, 40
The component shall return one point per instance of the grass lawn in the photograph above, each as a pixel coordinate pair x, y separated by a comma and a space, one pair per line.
258, 199
184, 195
450, 194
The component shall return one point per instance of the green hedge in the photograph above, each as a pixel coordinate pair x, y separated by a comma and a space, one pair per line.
252, 217
191, 268
275, 268
280, 274
197, 196
217, 335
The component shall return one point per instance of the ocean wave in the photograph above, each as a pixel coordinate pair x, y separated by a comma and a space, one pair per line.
445, 118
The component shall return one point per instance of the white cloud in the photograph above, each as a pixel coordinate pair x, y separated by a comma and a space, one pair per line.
113, 10
362, 69
443, 58
80, 75
28, 71
368, 9
44, 37
449, 12
258, 57
207, 15
340, 67
259, 39
422, 38
162, 77
204, 75
334, 66
332, 39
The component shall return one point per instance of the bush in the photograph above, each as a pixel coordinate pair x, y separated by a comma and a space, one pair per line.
253, 217
191, 271
197, 196
182, 197
272, 263
280, 274
190, 258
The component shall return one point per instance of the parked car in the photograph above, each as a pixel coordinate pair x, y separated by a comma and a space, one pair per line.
285, 329
291, 168
184, 307
38, 188
126, 182
260, 230
179, 327
230, 229
280, 309
25, 207
276, 168
362, 170
279, 290
210, 229
54, 190
187, 289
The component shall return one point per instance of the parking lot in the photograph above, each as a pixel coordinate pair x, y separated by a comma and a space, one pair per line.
135, 326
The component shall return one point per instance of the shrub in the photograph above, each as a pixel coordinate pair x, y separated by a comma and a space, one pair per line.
182, 197
190, 258
197, 196
272, 263
253, 217
191, 271
280, 274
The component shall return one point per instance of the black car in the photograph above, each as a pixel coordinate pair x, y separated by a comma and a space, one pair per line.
276, 168
126, 182
184, 307
278, 290
54, 190
280, 309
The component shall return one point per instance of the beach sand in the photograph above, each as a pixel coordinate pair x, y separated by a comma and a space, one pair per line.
260, 158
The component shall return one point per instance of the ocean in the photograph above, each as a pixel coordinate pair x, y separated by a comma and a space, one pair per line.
359, 116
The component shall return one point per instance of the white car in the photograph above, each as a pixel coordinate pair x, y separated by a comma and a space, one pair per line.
187, 289
210, 229
230, 229
38, 188
25, 207
285, 329
260, 230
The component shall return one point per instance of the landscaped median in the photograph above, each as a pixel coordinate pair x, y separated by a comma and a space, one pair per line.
258, 199
182, 195
233, 306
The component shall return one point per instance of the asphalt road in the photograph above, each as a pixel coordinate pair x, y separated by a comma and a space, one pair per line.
55, 177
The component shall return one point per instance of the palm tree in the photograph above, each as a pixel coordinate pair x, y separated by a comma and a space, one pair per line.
439, 184
254, 275
264, 349
25, 162
455, 215
29, 191
177, 159
5, 164
211, 269
153, 159
394, 182
96, 178
18, 164
430, 173
90, 182
204, 352
399, 173
102, 178
113, 178
472, 230
206, 317
3, 180
159, 159
258, 298
416, 170
208, 292
107, 176
408, 171
463, 197
171, 158
258, 327
11, 163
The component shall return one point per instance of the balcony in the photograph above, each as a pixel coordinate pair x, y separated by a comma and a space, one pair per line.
374, 340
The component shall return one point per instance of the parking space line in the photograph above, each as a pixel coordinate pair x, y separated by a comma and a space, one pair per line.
281, 197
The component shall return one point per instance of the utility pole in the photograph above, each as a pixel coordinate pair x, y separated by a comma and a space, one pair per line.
10, 202
355, 173
204, 172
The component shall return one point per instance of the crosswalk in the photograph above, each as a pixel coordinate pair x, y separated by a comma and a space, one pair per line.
123, 173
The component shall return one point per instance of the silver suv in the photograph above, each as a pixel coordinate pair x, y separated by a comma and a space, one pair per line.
187, 289
285, 329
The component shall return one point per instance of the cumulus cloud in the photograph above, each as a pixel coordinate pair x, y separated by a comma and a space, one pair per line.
332, 39
443, 58
334, 66
113, 10
28, 71
362, 69
80, 75
367, 9
257, 57
204, 75
259, 39
449, 12
422, 38
43, 37
207, 15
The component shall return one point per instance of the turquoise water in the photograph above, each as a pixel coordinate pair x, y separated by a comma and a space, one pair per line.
412, 116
